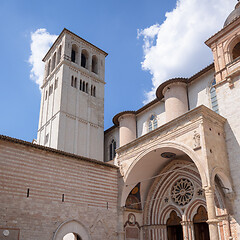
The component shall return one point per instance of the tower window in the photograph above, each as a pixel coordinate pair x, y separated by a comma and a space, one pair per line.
86, 87
73, 56
72, 81
46, 94
152, 124
236, 51
93, 91
83, 86
84, 58
56, 84
213, 96
53, 61
80, 87
59, 54
74, 53
94, 64
75, 82
50, 90
46, 138
112, 149
49, 67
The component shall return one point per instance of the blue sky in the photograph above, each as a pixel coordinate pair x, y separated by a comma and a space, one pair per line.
112, 26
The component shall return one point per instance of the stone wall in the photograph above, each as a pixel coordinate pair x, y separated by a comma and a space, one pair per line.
229, 105
33, 181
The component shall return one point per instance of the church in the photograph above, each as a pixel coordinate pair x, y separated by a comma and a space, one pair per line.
166, 171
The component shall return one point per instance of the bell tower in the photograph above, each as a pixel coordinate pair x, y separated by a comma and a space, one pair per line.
225, 46
72, 105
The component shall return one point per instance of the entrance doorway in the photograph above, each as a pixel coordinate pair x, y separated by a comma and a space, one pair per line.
201, 230
174, 227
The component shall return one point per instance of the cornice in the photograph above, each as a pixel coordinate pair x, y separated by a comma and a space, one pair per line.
222, 32
75, 35
194, 118
84, 71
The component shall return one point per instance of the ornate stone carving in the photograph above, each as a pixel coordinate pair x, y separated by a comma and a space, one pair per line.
196, 139
121, 168
182, 192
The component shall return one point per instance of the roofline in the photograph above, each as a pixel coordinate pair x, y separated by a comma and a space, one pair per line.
221, 32
159, 91
55, 151
109, 129
148, 105
66, 30
117, 116
201, 72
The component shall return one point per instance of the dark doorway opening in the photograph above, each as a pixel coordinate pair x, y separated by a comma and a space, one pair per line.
175, 232
174, 227
201, 229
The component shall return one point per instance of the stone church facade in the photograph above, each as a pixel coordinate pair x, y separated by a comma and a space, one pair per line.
169, 170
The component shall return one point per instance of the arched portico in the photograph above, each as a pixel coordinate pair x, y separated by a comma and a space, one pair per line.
71, 226
185, 146
148, 157
149, 167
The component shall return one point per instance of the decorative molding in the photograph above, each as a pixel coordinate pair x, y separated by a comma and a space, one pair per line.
173, 129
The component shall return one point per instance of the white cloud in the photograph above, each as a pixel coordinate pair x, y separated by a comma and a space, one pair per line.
41, 42
176, 47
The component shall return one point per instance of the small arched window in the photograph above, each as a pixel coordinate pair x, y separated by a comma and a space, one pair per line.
213, 96
49, 67
86, 87
53, 61
56, 83
94, 64
112, 149
50, 90
72, 81
152, 124
74, 53
75, 82
94, 91
83, 86
80, 87
59, 54
84, 58
236, 51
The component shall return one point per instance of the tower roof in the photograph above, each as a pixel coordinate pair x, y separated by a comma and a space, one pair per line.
69, 32
233, 15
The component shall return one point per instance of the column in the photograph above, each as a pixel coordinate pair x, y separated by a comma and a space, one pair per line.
191, 231
185, 230
212, 220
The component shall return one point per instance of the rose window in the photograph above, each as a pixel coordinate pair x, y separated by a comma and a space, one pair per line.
182, 192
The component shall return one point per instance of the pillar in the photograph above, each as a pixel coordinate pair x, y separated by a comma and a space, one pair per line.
212, 220
127, 131
176, 100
